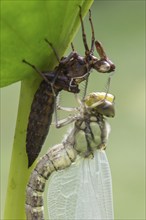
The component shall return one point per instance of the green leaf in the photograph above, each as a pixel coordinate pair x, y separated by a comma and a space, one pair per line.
25, 24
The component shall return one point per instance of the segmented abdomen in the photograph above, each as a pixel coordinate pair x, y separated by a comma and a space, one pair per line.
39, 120
58, 157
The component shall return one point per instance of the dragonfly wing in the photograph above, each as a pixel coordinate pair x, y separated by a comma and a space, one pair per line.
82, 191
95, 193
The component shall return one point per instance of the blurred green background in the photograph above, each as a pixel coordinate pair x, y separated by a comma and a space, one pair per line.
119, 25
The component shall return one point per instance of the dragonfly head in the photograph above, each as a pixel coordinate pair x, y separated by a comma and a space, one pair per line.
101, 103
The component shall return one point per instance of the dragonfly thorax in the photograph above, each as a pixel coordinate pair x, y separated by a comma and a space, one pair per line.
89, 133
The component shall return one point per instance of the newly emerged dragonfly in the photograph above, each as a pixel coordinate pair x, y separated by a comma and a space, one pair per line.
82, 157
71, 70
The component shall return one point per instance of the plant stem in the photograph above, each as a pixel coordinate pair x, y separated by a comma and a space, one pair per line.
19, 172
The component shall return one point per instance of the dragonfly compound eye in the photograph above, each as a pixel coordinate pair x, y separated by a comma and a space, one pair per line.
102, 103
106, 108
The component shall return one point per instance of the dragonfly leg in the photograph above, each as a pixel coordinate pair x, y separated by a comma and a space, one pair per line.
63, 122
54, 50
37, 70
51, 83
83, 33
89, 137
105, 130
70, 109
73, 54
75, 112
93, 36
67, 109
72, 47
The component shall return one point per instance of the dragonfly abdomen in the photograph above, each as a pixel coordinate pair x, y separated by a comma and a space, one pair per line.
57, 158
40, 118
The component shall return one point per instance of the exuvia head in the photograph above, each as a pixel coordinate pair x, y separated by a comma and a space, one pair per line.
102, 65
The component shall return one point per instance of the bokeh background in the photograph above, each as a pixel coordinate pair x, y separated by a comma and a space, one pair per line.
120, 26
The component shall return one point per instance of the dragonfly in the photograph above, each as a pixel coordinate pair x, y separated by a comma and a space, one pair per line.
69, 73
74, 164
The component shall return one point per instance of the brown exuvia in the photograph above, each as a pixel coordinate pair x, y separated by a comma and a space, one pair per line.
70, 71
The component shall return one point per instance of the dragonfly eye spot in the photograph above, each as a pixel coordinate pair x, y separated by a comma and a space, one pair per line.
104, 67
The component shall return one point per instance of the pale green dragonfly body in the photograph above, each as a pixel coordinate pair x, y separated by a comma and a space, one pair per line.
77, 169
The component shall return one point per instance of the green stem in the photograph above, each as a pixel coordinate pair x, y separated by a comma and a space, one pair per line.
19, 172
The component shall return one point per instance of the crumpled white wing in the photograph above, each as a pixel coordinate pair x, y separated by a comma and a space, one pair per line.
82, 191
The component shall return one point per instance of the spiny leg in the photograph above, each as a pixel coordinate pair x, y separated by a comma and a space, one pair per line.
37, 70
57, 57
83, 33
70, 118
93, 36
86, 47
52, 47
43, 76
72, 47
63, 122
